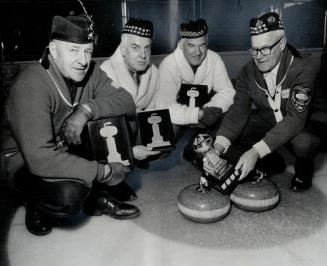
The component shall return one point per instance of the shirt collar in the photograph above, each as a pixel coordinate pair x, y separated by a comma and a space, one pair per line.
274, 71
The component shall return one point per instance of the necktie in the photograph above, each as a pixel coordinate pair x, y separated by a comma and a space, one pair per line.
136, 78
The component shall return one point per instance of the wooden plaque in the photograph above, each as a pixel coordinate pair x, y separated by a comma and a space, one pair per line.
193, 95
108, 140
156, 130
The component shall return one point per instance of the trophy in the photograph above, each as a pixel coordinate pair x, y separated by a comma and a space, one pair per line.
223, 176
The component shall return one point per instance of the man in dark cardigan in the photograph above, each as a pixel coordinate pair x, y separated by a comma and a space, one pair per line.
271, 105
43, 117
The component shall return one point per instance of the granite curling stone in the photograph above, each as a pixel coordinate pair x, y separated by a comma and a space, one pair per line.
203, 204
256, 195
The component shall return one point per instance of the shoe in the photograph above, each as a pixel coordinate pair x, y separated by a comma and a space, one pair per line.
103, 203
121, 192
37, 222
299, 185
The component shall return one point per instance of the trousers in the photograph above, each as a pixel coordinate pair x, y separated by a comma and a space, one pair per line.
61, 199
305, 146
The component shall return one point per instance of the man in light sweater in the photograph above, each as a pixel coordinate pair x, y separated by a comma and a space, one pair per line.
273, 95
193, 63
130, 68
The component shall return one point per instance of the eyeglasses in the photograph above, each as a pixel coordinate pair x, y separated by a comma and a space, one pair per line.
264, 50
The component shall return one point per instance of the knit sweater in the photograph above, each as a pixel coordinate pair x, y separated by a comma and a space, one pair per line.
144, 94
35, 109
295, 80
174, 70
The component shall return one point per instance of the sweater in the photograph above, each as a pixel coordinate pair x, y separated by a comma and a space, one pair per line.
295, 83
35, 110
174, 70
144, 94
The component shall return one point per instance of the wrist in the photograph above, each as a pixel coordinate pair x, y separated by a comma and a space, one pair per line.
85, 109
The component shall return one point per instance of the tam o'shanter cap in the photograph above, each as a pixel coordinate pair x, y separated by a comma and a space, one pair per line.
193, 29
75, 29
139, 27
266, 23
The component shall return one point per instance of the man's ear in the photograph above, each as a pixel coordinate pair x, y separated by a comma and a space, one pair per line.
123, 45
283, 43
53, 49
181, 44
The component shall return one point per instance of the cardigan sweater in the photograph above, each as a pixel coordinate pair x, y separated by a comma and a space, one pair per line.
144, 94
35, 110
174, 70
294, 83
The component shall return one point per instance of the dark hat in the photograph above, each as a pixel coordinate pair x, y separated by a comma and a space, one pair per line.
139, 27
193, 29
76, 29
265, 23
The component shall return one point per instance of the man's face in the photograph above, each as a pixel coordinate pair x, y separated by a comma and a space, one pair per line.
72, 59
266, 63
195, 50
136, 51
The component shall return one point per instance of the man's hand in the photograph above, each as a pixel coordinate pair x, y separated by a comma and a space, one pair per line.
73, 125
219, 149
210, 116
246, 162
114, 173
141, 152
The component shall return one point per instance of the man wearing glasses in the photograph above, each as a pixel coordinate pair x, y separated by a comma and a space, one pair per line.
273, 95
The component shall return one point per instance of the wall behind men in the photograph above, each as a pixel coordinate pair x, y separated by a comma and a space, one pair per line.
26, 23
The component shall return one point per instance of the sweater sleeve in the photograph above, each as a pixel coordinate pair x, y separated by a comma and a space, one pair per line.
29, 113
239, 112
169, 86
223, 87
108, 98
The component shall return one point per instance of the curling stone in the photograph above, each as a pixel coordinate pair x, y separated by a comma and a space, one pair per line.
256, 195
203, 204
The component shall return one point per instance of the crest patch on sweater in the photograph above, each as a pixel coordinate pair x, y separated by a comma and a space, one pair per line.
301, 98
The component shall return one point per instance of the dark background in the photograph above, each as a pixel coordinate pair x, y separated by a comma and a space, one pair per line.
228, 22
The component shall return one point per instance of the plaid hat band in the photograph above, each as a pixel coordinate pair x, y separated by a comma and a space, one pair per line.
266, 23
193, 29
192, 34
139, 27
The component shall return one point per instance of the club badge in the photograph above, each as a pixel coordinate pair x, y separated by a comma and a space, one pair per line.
301, 98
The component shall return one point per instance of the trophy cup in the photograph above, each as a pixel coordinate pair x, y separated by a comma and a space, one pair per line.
223, 176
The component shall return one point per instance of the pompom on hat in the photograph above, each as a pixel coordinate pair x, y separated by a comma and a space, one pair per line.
265, 23
139, 27
193, 29
75, 29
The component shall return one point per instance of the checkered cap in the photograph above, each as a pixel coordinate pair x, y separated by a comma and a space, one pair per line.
193, 29
265, 23
139, 27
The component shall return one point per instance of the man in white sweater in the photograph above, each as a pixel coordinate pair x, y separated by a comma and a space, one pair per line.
130, 68
193, 63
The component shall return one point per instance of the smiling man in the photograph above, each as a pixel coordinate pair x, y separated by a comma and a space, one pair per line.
273, 95
48, 106
192, 63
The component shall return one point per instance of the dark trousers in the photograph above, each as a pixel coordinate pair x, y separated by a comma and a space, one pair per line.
304, 146
59, 199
